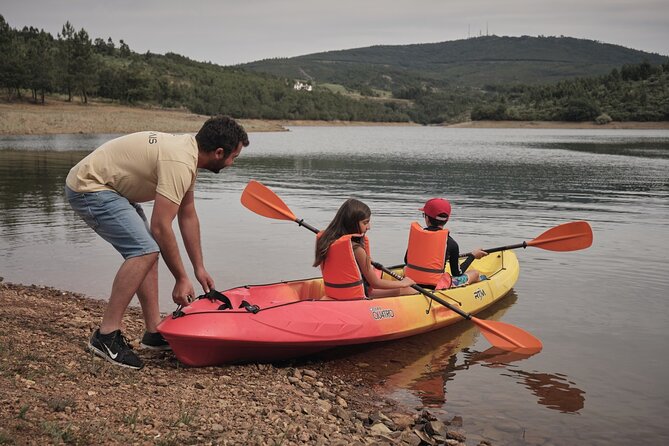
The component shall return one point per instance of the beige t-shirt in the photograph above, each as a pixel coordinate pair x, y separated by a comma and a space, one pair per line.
138, 166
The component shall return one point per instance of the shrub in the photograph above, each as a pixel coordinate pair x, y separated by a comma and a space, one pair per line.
603, 119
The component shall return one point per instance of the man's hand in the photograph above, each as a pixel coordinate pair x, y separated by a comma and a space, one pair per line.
183, 292
205, 280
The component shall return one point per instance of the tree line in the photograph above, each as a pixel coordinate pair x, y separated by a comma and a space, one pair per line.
636, 92
76, 66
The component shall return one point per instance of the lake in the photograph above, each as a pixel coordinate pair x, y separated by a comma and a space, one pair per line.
602, 313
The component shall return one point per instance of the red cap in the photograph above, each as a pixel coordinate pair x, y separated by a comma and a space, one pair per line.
435, 206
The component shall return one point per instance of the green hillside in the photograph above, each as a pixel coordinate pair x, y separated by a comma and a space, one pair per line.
35, 64
475, 62
522, 78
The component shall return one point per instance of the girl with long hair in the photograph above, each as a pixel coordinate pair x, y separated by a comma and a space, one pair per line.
353, 218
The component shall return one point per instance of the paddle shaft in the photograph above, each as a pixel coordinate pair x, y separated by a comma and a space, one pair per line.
570, 236
301, 222
422, 290
500, 248
398, 277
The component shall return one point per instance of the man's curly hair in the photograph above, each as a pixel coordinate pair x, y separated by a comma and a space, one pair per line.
221, 131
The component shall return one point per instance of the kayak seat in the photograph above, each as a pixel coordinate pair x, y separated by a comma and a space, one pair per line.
278, 293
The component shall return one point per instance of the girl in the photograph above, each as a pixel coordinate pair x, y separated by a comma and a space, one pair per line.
342, 252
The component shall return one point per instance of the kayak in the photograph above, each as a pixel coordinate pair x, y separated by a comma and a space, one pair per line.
261, 323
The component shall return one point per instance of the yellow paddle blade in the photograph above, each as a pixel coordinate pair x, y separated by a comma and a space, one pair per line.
261, 200
508, 337
565, 237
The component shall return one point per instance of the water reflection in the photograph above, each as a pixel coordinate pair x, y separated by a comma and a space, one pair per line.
554, 391
648, 148
425, 365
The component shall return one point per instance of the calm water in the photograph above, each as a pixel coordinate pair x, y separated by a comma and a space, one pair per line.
602, 313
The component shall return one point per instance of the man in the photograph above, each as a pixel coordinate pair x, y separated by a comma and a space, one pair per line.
105, 188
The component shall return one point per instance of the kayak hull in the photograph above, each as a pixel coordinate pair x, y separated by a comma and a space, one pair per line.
295, 320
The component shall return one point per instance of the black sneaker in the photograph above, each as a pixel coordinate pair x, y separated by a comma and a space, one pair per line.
154, 341
114, 348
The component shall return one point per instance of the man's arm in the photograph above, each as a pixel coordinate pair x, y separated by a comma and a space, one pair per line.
164, 211
189, 224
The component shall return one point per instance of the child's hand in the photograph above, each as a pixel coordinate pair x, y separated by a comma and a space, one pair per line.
478, 253
407, 282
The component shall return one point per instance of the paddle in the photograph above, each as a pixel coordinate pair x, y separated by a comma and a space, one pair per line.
261, 200
565, 237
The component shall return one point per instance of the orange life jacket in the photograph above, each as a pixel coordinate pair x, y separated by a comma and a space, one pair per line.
426, 254
341, 276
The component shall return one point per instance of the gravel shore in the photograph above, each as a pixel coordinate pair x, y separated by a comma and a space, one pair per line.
53, 391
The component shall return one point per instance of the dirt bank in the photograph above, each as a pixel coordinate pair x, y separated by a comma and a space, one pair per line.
64, 117
52, 391
57, 116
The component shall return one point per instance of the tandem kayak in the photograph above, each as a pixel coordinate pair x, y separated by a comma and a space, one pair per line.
289, 319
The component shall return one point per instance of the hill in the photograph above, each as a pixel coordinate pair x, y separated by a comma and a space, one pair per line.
519, 78
475, 62
72, 64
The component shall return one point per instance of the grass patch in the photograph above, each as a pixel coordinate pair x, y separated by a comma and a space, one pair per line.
335, 88
6, 439
58, 404
22, 412
185, 416
168, 440
130, 420
59, 434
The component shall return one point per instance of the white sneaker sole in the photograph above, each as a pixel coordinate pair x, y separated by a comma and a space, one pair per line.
97, 352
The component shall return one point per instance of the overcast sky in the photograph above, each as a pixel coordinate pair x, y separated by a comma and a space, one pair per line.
229, 32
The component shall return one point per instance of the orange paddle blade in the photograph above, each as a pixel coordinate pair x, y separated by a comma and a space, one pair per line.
508, 337
261, 200
565, 237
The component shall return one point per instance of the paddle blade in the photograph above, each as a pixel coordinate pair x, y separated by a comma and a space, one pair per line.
261, 200
508, 337
565, 237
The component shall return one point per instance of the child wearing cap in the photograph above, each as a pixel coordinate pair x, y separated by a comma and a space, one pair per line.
432, 246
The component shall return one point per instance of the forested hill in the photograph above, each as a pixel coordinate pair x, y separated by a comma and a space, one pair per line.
72, 63
481, 78
480, 61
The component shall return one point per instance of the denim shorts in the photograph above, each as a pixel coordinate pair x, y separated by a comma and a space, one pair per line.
115, 219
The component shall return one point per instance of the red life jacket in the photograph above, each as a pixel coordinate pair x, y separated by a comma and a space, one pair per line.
341, 276
426, 255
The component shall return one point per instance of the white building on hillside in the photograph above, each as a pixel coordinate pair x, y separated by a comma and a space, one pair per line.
299, 85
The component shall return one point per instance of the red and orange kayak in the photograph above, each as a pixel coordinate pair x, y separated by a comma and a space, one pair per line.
289, 319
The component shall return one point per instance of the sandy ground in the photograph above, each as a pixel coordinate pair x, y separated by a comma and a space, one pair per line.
22, 118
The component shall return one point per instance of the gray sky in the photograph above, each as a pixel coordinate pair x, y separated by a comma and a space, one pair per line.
228, 32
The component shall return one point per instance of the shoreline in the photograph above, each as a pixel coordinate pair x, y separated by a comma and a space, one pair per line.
60, 117
54, 391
